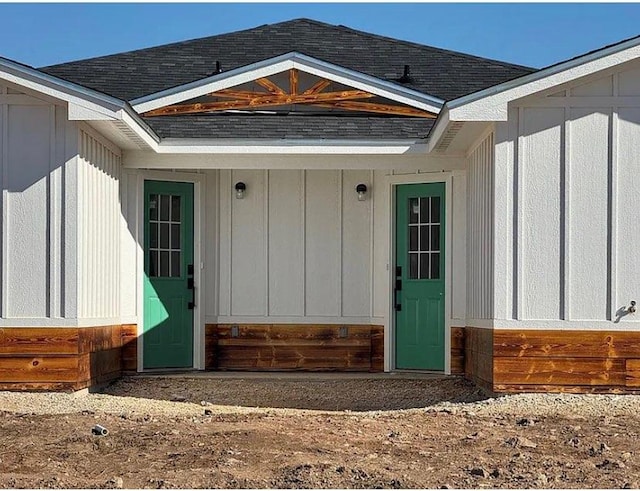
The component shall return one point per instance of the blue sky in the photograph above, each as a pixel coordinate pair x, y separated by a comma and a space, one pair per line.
529, 34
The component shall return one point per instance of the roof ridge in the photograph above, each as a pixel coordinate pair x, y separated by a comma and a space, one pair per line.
428, 47
175, 43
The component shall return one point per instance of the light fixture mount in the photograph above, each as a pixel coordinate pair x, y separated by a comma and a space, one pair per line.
241, 187
361, 189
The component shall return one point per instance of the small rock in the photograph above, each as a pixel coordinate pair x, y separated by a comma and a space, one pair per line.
630, 485
519, 441
115, 483
205, 403
525, 422
626, 456
208, 412
542, 479
495, 473
472, 436
599, 450
479, 472
574, 442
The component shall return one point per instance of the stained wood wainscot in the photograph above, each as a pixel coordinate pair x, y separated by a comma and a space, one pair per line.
303, 347
566, 361
60, 358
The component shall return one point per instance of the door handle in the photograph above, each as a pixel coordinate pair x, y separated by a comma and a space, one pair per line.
191, 286
398, 287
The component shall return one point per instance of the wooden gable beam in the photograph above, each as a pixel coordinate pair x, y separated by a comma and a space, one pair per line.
270, 86
372, 107
317, 87
293, 81
258, 102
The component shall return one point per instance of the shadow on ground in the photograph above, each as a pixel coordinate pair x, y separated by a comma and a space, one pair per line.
344, 394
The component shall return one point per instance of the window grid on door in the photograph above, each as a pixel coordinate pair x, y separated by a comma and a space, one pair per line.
424, 238
165, 253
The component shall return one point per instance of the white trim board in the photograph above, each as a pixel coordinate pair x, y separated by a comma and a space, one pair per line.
283, 63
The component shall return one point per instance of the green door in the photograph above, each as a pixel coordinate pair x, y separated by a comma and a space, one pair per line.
168, 279
419, 276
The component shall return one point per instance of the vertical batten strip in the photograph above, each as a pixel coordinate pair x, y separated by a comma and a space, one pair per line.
565, 213
266, 241
303, 231
518, 218
4, 141
340, 239
612, 242
371, 193
54, 223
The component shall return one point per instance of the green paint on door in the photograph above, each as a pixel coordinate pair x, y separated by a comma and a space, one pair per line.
168, 268
419, 280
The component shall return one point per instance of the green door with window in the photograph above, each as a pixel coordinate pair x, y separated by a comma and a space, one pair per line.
419, 276
168, 280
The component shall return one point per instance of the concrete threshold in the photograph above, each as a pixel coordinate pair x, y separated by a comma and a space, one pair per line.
281, 375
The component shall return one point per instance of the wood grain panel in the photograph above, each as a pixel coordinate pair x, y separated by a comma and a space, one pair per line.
129, 342
39, 368
569, 371
457, 350
295, 347
27, 341
562, 344
61, 358
633, 373
377, 349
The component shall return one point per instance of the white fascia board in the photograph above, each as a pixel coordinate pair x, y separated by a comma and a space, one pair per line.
280, 64
438, 129
298, 147
491, 104
81, 97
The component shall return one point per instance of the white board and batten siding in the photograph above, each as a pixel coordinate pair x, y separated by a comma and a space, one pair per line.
38, 149
570, 160
296, 248
480, 232
98, 228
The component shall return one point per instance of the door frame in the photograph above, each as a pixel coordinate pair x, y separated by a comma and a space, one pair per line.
198, 227
390, 335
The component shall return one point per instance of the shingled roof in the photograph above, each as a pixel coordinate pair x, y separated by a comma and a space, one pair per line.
437, 72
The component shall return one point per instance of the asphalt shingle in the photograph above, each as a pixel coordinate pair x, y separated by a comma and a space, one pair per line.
437, 72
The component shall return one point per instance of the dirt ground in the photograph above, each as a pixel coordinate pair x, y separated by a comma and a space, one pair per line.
330, 433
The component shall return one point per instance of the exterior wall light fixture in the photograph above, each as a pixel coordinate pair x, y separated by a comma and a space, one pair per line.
241, 187
361, 189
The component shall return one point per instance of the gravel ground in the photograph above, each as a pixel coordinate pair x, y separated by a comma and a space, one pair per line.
316, 433
158, 396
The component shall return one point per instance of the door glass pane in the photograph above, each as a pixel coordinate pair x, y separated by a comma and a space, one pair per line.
175, 208
435, 266
435, 209
153, 235
413, 238
414, 210
413, 266
153, 263
424, 266
424, 210
435, 238
175, 236
164, 236
424, 237
153, 207
164, 263
164, 207
175, 263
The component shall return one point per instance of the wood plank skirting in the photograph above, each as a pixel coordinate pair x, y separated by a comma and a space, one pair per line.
294, 347
62, 358
510, 360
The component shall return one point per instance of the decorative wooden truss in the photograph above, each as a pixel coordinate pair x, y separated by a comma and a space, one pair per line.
273, 95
